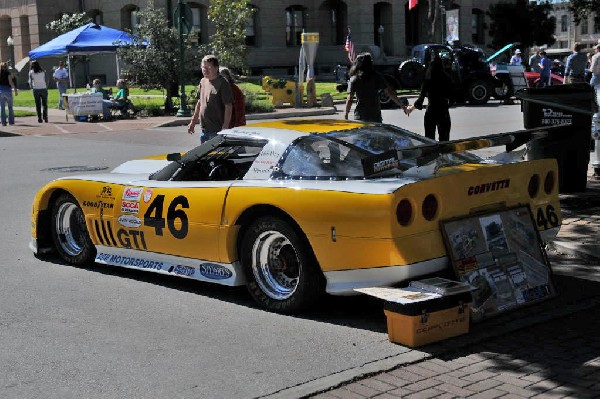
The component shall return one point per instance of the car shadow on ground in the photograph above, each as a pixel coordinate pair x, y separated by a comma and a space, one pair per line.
361, 311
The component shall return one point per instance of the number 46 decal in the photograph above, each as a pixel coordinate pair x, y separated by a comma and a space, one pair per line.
154, 216
547, 217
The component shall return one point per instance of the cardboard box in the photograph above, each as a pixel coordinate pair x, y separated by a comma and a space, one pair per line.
422, 323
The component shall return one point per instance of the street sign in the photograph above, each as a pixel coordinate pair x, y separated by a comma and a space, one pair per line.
183, 16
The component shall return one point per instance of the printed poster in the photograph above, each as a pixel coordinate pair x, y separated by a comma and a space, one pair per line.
501, 256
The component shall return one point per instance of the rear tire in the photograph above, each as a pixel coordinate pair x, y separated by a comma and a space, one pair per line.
283, 275
69, 232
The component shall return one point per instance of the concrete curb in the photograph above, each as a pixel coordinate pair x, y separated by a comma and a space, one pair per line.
292, 113
590, 252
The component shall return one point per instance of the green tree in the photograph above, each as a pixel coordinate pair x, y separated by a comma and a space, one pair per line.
523, 21
583, 8
152, 60
68, 22
228, 43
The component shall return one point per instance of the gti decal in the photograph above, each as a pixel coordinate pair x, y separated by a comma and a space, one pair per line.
130, 207
130, 221
214, 271
132, 239
132, 193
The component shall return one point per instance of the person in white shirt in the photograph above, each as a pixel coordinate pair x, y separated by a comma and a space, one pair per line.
516, 59
595, 70
61, 77
37, 82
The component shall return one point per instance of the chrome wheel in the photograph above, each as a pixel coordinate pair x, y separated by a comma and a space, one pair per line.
275, 265
70, 229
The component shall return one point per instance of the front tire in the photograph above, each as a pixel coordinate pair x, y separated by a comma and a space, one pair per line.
478, 92
69, 232
283, 275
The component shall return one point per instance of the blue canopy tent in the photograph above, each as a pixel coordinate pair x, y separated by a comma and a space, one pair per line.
85, 40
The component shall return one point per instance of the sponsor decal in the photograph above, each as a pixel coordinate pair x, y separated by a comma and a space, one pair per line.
132, 193
181, 270
129, 261
385, 164
487, 187
98, 204
106, 193
130, 221
215, 272
130, 206
148, 195
132, 239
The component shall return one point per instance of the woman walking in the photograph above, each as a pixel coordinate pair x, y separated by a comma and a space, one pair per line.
39, 85
7, 85
366, 83
437, 87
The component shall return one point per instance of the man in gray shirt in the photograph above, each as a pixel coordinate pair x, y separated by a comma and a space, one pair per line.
575, 67
534, 61
213, 109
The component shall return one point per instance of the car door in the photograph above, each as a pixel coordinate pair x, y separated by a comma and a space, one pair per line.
173, 218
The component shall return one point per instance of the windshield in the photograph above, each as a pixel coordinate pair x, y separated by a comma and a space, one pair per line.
339, 154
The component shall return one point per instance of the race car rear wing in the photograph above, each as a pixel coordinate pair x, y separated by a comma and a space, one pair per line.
423, 154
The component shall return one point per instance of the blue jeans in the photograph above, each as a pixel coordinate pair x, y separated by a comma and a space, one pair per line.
6, 98
205, 136
62, 89
595, 83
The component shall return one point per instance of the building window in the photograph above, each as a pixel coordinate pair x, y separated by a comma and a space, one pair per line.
251, 26
294, 24
564, 25
596, 24
130, 18
584, 26
477, 26
96, 16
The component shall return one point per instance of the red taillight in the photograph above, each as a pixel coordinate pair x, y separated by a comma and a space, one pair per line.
430, 207
534, 186
549, 182
404, 212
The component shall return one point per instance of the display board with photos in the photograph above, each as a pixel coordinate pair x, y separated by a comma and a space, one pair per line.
500, 255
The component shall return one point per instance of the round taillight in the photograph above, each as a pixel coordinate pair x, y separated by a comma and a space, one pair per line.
534, 186
549, 182
430, 207
404, 212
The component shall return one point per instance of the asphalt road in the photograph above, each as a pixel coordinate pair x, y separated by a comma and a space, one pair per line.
105, 332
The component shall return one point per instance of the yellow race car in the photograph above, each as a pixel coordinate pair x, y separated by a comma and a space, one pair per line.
292, 208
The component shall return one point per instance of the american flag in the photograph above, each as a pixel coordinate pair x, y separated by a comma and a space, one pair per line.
350, 47
412, 4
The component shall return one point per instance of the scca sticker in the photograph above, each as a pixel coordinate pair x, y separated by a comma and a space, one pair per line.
132, 193
215, 272
130, 207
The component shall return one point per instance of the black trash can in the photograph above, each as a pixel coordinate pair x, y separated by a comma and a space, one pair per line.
572, 106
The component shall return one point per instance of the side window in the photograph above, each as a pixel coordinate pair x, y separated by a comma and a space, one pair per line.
320, 157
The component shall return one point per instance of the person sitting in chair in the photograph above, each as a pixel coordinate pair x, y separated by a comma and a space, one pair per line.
106, 102
121, 99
